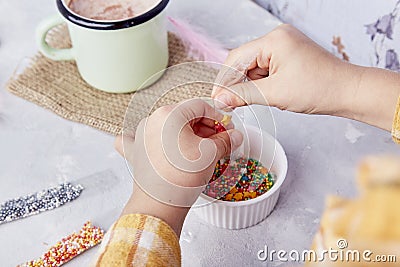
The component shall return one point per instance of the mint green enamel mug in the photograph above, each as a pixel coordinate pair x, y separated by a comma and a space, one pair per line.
113, 56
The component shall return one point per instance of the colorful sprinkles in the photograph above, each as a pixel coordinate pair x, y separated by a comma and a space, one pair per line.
240, 180
219, 127
243, 179
44, 200
69, 247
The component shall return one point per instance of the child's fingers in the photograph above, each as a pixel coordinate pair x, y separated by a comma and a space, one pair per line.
257, 73
226, 142
196, 110
203, 130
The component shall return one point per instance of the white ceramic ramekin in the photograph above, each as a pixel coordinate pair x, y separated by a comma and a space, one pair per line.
237, 215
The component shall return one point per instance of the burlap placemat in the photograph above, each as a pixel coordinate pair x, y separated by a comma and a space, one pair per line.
58, 87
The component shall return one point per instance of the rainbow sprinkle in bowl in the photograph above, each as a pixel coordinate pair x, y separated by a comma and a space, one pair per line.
242, 214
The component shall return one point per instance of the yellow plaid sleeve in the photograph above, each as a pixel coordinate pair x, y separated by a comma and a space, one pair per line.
139, 240
396, 124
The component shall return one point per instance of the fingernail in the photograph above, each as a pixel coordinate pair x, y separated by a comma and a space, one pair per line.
236, 138
222, 101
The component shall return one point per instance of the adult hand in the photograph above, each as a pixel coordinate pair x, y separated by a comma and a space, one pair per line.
289, 71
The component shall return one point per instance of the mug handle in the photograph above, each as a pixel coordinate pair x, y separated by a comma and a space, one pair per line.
51, 52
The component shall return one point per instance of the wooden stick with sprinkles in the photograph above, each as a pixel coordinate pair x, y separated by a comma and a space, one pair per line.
69, 247
44, 200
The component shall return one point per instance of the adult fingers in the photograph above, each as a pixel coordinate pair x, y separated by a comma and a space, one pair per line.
246, 93
240, 61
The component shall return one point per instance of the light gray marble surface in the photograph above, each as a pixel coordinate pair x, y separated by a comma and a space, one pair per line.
39, 149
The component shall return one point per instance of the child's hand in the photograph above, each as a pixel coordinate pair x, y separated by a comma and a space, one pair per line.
173, 156
290, 72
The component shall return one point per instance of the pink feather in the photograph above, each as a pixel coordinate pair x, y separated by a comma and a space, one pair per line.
199, 46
